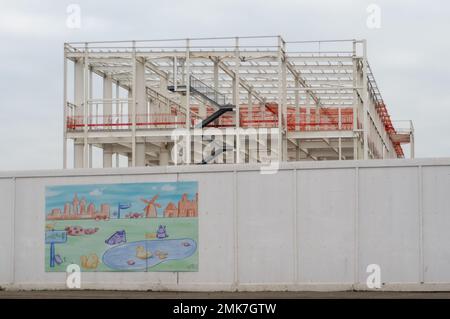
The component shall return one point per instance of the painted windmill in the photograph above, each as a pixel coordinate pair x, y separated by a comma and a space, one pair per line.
150, 208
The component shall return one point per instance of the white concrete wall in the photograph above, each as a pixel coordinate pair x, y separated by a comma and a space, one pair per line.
311, 226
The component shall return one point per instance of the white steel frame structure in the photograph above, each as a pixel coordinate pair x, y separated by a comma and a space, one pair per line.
319, 98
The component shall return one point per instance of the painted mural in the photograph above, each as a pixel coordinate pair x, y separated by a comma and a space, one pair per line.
122, 227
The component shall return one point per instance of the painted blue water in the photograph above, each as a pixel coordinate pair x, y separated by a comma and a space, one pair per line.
119, 257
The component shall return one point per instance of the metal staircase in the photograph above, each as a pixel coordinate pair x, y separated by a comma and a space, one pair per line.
214, 98
158, 97
220, 149
207, 93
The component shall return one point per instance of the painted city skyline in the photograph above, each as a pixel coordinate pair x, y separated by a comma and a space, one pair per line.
102, 200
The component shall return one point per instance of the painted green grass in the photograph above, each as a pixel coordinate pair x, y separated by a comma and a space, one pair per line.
136, 229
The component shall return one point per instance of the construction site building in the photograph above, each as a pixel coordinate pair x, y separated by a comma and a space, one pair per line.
224, 100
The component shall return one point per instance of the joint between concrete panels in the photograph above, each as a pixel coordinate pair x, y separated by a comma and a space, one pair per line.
295, 226
356, 228
236, 230
13, 234
420, 209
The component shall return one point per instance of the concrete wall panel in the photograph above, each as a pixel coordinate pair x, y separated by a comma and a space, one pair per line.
436, 224
265, 227
325, 218
389, 229
6, 231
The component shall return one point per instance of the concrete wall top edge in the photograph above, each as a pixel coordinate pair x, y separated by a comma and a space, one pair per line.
224, 168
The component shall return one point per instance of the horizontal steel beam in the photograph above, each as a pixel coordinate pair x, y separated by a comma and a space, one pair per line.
320, 134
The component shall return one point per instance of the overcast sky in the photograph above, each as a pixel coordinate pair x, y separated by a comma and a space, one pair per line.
408, 55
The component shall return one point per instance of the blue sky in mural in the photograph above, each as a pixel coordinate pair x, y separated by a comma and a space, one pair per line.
113, 194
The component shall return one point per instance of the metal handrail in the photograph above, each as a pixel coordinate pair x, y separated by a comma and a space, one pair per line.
207, 91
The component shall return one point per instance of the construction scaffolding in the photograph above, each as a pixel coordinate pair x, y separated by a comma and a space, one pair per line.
316, 100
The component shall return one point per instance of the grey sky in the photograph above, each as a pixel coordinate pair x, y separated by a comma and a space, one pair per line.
407, 55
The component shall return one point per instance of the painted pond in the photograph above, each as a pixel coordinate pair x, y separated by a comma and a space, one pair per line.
132, 256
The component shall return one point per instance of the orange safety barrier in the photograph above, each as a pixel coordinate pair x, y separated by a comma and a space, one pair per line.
320, 119
99, 122
261, 116
386, 119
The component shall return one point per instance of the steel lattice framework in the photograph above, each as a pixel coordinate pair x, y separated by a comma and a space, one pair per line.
321, 96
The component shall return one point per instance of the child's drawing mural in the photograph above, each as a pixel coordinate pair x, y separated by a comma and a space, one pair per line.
122, 227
